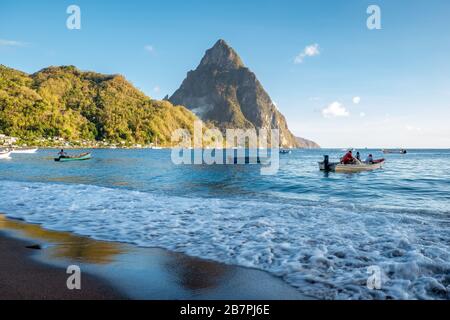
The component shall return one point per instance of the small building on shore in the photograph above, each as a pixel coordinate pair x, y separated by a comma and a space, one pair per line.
7, 140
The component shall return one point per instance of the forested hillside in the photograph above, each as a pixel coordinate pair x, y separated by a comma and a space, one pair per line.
74, 105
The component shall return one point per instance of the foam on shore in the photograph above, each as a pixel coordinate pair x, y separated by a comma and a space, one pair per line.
322, 249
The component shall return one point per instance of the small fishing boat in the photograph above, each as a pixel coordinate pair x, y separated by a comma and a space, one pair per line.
5, 154
80, 157
401, 151
25, 150
350, 168
285, 151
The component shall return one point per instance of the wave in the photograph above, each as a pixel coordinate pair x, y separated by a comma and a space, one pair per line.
322, 249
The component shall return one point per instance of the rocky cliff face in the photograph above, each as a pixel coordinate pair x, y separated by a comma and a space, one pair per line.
225, 92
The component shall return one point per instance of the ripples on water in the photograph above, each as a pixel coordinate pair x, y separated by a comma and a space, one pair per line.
319, 232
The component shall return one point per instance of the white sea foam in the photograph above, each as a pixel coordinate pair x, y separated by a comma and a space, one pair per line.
323, 250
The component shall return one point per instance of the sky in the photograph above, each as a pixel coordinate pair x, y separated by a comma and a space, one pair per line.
336, 81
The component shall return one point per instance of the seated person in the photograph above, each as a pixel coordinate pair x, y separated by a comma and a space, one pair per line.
62, 153
348, 158
369, 159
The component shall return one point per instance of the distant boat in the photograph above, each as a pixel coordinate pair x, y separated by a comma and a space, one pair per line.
285, 151
400, 151
80, 157
25, 150
5, 154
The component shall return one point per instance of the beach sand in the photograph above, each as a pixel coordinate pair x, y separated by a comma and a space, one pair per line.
113, 270
23, 278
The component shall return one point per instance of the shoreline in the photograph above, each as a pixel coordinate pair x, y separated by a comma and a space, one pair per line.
113, 270
24, 278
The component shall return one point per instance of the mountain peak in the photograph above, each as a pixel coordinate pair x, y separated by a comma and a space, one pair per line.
222, 91
222, 55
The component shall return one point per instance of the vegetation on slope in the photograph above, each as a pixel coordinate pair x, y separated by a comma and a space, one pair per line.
74, 105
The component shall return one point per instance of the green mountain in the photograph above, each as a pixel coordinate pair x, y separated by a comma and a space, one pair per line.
222, 91
75, 105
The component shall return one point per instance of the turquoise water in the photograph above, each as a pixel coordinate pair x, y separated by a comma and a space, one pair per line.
319, 232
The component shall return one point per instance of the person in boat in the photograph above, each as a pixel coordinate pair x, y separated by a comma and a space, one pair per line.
62, 153
369, 159
358, 156
348, 158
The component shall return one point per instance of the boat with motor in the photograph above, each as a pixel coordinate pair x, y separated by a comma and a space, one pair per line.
358, 166
80, 157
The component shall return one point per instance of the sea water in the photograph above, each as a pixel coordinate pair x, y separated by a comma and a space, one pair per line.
322, 233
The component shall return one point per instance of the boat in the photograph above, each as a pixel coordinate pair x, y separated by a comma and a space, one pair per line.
285, 151
400, 151
5, 154
25, 150
350, 168
80, 157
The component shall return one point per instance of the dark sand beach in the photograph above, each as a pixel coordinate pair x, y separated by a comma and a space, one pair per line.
119, 271
21, 277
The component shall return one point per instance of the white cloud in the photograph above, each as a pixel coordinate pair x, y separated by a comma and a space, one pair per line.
356, 100
149, 48
335, 109
11, 43
362, 114
309, 51
157, 89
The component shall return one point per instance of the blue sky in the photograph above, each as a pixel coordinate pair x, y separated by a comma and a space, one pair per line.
400, 73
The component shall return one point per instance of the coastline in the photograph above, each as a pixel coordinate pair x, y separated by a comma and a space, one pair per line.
119, 271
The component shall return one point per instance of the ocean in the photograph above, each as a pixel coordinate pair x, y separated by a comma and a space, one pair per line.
320, 232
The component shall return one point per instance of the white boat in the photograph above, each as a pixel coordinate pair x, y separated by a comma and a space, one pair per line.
25, 150
351, 168
5, 154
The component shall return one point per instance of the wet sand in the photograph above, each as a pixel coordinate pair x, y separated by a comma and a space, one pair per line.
23, 278
119, 271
